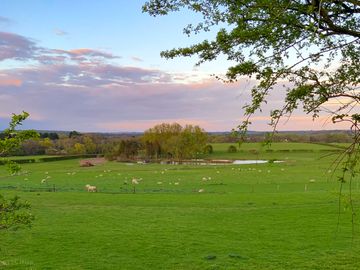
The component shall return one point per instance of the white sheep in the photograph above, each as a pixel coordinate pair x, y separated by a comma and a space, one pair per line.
135, 181
201, 190
91, 188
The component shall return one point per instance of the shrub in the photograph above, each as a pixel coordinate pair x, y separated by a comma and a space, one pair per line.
232, 149
208, 149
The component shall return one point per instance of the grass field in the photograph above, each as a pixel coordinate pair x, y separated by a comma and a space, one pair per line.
265, 216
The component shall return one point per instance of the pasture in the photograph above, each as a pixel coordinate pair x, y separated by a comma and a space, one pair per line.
260, 216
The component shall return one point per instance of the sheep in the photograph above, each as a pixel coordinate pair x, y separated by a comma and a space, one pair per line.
201, 190
43, 181
90, 188
134, 181
312, 180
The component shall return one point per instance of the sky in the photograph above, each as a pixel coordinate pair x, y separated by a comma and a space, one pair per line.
95, 66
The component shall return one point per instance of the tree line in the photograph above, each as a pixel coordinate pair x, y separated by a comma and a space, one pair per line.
163, 141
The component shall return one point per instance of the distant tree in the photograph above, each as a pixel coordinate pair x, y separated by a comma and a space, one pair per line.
74, 134
152, 149
163, 136
125, 149
32, 147
89, 144
50, 135
174, 141
192, 141
208, 149
79, 149
232, 149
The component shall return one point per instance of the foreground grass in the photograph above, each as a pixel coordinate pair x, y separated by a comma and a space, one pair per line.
267, 216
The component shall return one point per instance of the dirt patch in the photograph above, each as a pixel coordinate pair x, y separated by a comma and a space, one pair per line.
92, 162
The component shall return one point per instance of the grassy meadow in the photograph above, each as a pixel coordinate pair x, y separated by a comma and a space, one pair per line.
260, 216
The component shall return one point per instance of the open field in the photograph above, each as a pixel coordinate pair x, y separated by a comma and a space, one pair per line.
261, 216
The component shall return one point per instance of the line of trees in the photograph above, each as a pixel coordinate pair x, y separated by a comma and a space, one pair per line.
163, 141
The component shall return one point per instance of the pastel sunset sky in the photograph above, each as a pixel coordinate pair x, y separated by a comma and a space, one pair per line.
96, 66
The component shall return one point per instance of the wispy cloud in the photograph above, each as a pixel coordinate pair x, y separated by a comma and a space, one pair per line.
4, 20
16, 47
60, 32
136, 59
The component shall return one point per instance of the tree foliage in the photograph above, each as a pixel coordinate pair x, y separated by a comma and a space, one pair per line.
12, 139
174, 141
13, 212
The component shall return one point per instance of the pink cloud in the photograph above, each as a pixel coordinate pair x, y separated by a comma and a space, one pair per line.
10, 82
13, 46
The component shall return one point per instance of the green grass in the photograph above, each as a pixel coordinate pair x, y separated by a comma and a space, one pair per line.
248, 217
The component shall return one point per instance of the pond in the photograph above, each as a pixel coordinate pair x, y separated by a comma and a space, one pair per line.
219, 162
240, 162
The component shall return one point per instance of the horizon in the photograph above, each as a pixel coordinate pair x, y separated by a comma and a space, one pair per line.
223, 132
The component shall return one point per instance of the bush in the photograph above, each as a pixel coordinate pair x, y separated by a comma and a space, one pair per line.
208, 149
232, 149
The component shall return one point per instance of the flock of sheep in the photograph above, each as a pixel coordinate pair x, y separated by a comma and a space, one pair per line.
136, 181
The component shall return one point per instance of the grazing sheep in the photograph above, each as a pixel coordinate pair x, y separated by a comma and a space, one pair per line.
159, 183
134, 181
176, 183
312, 180
43, 181
90, 188
201, 190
